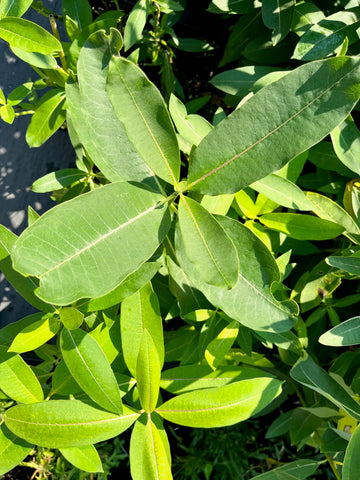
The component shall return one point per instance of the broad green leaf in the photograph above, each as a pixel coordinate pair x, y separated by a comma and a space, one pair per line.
283, 192
240, 81
219, 346
71, 318
84, 458
36, 59
170, 6
346, 141
7, 113
13, 450
80, 12
24, 285
132, 283
345, 334
207, 245
20, 93
300, 469
57, 180
351, 466
217, 205
280, 426
326, 208
140, 108
14, 8
149, 449
148, 371
140, 312
231, 155
28, 36
349, 263
219, 407
305, 15
332, 442
99, 130
90, 368
250, 302
35, 334
195, 377
62, 381
66, 423
49, 115
303, 424
66, 243
233, 6
327, 36
307, 372
302, 227
323, 156
135, 23
17, 379
277, 15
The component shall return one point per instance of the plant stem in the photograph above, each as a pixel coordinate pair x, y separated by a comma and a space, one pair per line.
56, 35
329, 459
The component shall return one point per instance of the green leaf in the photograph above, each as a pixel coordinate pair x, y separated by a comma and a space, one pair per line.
219, 346
323, 156
135, 23
231, 155
280, 426
25, 286
140, 312
219, 407
233, 6
141, 109
300, 469
148, 371
217, 205
80, 12
35, 334
28, 36
302, 227
207, 246
304, 16
195, 377
66, 423
14, 8
277, 15
13, 450
51, 250
349, 263
149, 449
346, 141
327, 36
351, 467
71, 318
49, 115
58, 180
62, 381
36, 59
345, 334
84, 458
93, 117
7, 113
307, 372
303, 424
283, 192
90, 368
250, 302
17, 380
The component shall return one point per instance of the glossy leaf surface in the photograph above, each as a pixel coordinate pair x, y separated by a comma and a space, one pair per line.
35, 334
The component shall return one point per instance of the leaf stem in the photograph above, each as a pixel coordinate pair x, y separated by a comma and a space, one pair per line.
56, 35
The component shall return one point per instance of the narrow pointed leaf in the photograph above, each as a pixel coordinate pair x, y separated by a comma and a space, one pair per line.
277, 15
14, 8
35, 334
65, 244
219, 347
311, 100
13, 450
219, 407
66, 423
141, 109
207, 245
346, 141
351, 467
136, 23
345, 334
28, 36
84, 458
90, 368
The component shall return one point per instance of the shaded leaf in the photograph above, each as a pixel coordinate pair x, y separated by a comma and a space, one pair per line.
344, 334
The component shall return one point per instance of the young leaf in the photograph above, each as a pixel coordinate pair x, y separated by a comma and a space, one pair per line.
346, 141
80, 12
135, 23
219, 346
57, 180
35, 334
149, 451
49, 115
231, 155
90, 368
84, 458
219, 407
14, 8
351, 467
28, 36
345, 334
71, 318
17, 380
277, 15
13, 449
140, 312
207, 245
66, 243
7, 113
66, 423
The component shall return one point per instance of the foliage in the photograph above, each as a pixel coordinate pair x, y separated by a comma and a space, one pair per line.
196, 271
